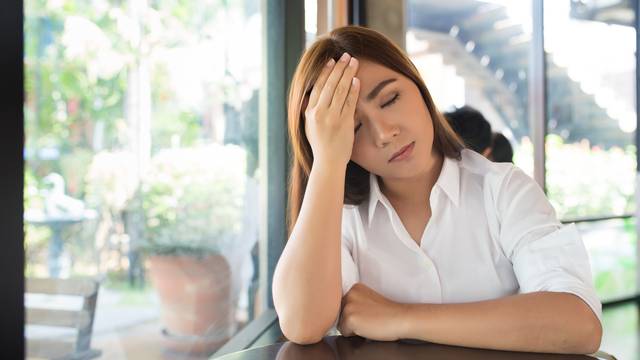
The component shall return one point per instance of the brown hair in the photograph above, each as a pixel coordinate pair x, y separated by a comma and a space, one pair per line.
361, 43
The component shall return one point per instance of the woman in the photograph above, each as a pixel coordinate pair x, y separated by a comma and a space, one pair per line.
397, 232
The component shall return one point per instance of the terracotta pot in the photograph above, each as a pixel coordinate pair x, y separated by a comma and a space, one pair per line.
196, 303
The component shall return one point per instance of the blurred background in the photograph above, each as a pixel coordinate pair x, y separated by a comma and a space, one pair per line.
156, 156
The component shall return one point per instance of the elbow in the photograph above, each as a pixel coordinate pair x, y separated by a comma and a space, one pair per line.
301, 332
586, 330
302, 338
301, 326
593, 338
305, 328
303, 319
587, 339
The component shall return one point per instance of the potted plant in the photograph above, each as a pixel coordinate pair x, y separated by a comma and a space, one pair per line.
191, 203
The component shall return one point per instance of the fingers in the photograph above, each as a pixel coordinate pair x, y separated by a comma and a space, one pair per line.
342, 319
316, 90
342, 89
332, 82
349, 109
344, 329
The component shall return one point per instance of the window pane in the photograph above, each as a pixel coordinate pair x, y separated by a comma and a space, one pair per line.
477, 54
612, 247
310, 21
590, 146
620, 336
142, 171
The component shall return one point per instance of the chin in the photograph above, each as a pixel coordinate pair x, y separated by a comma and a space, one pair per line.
404, 173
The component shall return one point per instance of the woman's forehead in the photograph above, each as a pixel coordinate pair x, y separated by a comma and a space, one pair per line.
368, 68
370, 73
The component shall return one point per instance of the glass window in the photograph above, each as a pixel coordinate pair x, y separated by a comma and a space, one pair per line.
611, 245
477, 54
310, 21
590, 146
141, 172
620, 336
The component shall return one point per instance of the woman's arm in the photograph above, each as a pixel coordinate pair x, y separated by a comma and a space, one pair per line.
307, 283
307, 280
539, 322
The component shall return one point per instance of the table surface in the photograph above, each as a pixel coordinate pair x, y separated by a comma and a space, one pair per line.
357, 348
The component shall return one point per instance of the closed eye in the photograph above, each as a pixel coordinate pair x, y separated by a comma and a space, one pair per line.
390, 102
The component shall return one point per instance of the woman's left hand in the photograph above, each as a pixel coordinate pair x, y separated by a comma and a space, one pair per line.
370, 315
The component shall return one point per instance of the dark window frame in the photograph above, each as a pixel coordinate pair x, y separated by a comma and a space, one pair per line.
284, 39
12, 181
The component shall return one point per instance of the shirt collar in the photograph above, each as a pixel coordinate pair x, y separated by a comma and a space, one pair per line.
448, 181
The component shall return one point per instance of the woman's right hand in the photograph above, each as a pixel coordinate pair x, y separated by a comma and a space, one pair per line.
329, 115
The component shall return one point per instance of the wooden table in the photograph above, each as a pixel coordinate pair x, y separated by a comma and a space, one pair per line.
357, 348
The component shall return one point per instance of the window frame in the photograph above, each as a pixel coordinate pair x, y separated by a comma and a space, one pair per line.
12, 182
284, 42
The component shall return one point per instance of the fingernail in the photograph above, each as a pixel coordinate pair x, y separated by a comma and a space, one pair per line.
344, 57
353, 62
330, 62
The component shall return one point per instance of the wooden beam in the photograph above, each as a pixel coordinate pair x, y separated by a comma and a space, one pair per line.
76, 319
75, 287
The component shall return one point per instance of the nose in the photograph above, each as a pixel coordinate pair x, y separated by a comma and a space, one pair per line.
384, 131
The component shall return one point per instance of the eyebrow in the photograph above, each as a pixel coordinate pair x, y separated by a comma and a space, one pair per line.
376, 90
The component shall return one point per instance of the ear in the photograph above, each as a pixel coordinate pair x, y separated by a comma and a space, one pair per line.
303, 109
487, 153
305, 103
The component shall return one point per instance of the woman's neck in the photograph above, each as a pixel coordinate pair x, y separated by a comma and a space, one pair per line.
413, 191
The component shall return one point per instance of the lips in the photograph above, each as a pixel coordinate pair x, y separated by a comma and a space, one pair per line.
402, 151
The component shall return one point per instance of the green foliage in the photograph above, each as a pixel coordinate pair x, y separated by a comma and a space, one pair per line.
191, 201
615, 265
110, 181
80, 59
589, 181
617, 281
70, 79
584, 180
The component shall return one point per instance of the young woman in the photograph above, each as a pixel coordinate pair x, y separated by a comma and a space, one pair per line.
397, 232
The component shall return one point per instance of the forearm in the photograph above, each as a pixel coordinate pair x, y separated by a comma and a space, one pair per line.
537, 322
307, 281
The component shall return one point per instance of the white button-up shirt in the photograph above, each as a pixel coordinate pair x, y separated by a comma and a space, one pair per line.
492, 233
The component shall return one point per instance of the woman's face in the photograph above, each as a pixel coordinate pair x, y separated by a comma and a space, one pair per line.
390, 115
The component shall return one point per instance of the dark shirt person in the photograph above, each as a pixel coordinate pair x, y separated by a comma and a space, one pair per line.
472, 127
501, 150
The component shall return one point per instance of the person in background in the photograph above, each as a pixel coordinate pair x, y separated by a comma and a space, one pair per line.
472, 127
501, 150
475, 130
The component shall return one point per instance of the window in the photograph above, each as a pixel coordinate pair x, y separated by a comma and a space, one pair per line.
141, 168
611, 245
590, 141
591, 116
477, 54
